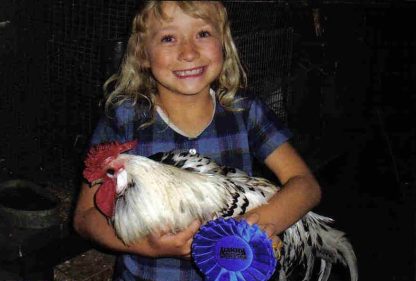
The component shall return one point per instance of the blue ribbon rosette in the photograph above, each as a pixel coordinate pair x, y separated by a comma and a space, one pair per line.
231, 250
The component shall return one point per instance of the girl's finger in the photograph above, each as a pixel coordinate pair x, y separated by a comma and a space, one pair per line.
269, 230
190, 231
277, 246
189, 248
252, 218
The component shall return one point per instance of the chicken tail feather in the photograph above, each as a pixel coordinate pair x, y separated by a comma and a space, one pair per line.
311, 238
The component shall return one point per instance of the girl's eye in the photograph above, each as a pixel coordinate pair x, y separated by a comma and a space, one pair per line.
167, 39
204, 34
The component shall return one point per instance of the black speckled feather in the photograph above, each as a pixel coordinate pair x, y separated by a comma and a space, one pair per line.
310, 238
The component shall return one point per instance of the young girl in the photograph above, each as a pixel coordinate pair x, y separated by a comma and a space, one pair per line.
179, 87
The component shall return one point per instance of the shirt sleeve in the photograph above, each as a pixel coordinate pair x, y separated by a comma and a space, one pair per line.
266, 132
119, 128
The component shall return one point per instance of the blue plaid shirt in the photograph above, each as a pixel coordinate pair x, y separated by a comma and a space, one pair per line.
232, 139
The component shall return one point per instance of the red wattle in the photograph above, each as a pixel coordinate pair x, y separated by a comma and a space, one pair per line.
105, 198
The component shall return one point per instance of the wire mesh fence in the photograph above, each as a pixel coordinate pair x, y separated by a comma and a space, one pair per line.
56, 55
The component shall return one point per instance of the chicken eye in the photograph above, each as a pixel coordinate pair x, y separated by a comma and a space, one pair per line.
110, 172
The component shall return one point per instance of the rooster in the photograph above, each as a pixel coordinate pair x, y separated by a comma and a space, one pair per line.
167, 191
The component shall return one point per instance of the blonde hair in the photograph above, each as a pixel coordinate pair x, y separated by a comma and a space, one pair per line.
134, 81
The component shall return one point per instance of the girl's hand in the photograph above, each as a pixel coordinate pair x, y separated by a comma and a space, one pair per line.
270, 230
254, 218
173, 245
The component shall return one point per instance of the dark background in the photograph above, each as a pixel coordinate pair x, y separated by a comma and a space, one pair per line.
348, 95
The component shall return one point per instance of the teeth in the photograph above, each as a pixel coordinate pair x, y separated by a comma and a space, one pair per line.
189, 72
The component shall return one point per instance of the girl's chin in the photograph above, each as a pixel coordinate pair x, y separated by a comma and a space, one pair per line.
188, 91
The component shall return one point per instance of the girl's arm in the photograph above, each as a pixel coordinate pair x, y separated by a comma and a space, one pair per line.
299, 194
91, 224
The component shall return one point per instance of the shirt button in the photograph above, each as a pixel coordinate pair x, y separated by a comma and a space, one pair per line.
192, 151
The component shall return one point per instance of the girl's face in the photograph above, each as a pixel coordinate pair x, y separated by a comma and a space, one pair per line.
184, 53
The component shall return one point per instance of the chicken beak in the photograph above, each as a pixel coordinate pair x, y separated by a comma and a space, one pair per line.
122, 181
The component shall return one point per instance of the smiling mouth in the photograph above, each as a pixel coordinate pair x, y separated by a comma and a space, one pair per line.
189, 73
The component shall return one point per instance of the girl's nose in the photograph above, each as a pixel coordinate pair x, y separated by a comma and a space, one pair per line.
188, 51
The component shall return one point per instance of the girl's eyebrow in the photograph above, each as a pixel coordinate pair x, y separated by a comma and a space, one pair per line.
172, 27
155, 32
168, 28
207, 24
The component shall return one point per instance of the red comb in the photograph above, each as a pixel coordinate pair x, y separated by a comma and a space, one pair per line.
98, 155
